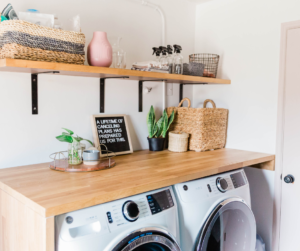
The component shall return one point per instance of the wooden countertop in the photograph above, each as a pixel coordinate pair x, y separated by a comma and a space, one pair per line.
51, 193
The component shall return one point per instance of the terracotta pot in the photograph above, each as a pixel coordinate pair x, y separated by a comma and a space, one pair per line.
99, 50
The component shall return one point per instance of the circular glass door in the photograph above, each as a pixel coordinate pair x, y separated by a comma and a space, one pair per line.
230, 227
148, 239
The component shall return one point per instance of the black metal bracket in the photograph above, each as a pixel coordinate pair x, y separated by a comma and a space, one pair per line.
181, 88
34, 91
141, 92
102, 92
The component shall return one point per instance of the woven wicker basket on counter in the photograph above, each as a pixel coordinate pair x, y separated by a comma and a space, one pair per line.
207, 126
178, 141
24, 40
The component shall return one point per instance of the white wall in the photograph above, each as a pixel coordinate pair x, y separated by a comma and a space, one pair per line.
246, 34
70, 101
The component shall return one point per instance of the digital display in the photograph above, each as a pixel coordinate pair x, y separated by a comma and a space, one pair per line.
160, 201
237, 179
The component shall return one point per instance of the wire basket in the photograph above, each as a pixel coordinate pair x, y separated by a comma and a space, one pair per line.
211, 62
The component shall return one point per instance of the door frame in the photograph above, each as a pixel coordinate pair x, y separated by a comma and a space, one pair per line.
285, 27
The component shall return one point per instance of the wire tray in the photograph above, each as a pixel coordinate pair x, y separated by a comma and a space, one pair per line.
61, 163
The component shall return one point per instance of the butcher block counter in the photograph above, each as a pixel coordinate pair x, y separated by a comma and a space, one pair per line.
31, 196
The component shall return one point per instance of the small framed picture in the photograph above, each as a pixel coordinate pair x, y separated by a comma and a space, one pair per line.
112, 131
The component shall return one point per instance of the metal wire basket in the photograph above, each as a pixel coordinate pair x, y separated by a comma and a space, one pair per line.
211, 62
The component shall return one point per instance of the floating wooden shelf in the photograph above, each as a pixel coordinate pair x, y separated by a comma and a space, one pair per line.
33, 67
36, 67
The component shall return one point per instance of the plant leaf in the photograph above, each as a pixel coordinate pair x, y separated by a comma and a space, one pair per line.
65, 138
159, 126
65, 133
171, 119
80, 139
151, 122
69, 131
165, 124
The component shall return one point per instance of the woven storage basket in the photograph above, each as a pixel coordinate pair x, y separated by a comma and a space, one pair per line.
207, 126
24, 40
178, 141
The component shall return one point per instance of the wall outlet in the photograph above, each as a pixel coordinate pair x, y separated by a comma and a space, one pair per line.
169, 89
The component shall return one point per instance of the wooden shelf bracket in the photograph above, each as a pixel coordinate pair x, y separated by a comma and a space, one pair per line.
34, 91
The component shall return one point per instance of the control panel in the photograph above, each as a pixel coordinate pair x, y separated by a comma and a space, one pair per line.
137, 208
238, 179
160, 201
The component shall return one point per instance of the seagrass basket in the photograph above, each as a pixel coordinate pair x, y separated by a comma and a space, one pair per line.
178, 141
24, 40
207, 126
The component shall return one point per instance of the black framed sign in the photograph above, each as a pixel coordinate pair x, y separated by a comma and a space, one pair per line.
112, 131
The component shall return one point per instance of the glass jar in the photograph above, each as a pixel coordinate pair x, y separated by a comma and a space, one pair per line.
119, 57
75, 153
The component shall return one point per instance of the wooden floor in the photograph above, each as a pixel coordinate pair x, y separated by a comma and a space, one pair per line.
51, 193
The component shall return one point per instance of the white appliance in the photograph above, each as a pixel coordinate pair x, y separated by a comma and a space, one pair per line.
215, 214
147, 222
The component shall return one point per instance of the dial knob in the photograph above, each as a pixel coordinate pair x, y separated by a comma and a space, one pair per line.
222, 184
289, 179
131, 210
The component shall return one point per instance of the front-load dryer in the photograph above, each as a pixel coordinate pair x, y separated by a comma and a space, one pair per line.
144, 222
215, 213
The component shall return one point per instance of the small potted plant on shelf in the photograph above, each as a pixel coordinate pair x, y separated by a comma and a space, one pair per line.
158, 130
74, 149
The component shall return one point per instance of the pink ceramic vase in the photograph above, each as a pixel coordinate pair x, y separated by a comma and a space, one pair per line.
99, 50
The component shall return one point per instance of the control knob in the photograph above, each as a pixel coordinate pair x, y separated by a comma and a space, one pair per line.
222, 184
131, 211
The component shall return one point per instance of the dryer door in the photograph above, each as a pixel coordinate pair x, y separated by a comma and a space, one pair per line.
230, 227
148, 239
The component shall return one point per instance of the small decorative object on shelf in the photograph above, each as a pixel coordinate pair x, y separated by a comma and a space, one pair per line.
99, 50
211, 62
193, 69
178, 141
74, 150
119, 56
158, 130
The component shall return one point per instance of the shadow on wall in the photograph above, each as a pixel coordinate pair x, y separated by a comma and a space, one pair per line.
262, 201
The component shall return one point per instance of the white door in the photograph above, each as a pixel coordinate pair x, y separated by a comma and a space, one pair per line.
290, 151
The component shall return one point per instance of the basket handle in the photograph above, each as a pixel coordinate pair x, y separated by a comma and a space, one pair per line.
185, 99
210, 101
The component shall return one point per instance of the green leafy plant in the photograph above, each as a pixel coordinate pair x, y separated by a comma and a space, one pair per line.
69, 137
74, 147
160, 128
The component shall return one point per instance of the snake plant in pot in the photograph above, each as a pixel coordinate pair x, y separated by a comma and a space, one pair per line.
158, 129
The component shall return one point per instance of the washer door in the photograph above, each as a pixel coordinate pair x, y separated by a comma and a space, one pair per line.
148, 239
230, 227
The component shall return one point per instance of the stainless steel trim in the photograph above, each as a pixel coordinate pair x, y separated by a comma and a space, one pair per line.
125, 211
160, 230
218, 182
213, 213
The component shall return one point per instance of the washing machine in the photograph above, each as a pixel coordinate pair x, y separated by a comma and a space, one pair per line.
215, 213
144, 222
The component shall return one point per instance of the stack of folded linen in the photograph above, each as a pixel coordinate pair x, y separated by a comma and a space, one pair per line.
152, 66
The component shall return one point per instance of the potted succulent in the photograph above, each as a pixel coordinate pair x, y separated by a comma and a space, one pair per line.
158, 130
74, 149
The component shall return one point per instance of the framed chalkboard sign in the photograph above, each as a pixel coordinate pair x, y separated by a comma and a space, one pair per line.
112, 131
